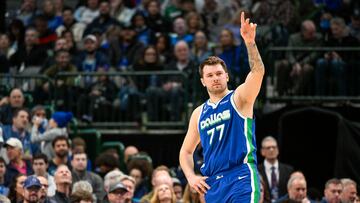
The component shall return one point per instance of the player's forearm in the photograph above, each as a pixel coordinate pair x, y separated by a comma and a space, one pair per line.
187, 163
255, 61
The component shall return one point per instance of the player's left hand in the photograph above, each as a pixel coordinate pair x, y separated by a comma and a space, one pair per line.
247, 30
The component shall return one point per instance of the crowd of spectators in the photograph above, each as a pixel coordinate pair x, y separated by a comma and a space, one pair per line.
42, 164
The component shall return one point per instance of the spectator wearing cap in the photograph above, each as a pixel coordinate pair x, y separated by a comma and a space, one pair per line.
90, 60
57, 127
13, 102
116, 194
14, 149
63, 181
103, 21
32, 188
129, 183
18, 130
79, 163
113, 176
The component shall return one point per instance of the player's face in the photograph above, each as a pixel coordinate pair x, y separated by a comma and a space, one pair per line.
215, 78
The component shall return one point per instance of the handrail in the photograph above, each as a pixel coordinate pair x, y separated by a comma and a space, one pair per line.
314, 48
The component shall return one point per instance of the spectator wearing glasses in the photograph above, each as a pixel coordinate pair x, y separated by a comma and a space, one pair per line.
275, 174
44, 193
32, 188
116, 194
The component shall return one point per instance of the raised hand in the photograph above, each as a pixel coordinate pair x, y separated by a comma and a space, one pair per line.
247, 30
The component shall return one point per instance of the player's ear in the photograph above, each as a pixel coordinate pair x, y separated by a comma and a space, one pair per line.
202, 82
227, 77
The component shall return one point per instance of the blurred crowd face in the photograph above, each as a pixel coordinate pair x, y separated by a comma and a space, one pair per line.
269, 150
337, 30
226, 38
179, 26
21, 121
31, 194
115, 3
16, 98
137, 175
61, 147
28, 5
90, 45
44, 188
48, 7
104, 8
79, 162
68, 17
150, 55
39, 167
332, 193
297, 190
153, 8
349, 193
63, 59
309, 30
13, 153
92, 4
130, 186
31, 37
19, 188
181, 51
4, 42
164, 192
117, 196
178, 192
63, 175
2, 169
61, 44
200, 39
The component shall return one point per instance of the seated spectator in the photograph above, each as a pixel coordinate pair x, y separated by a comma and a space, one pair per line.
143, 33
155, 21
87, 13
4, 186
129, 183
79, 163
194, 22
63, 181
16, 34
69, 23
31, 53
105, 163
16, 165
120, 12
201, 49
49, 12
330, 71
16, 100
19, 131
81, 197
16, 193
57, 127
295, 73
141, 187
95, 104
129, 152
40, 165
61, 148
103, 21
27, 12
163, 193
44, 196
297, 191
178, 190
160, 176
125, 50
116, 193
32, 188
332, 191
47, 37
6, 51
78, 144
163, 47
180, 32
349, 192
354, 26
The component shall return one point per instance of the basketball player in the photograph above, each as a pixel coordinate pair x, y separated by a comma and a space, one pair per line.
225, 126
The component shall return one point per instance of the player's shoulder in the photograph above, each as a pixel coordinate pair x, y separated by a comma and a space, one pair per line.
197, 111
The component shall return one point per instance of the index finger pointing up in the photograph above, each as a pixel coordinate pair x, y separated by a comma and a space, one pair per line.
242, 18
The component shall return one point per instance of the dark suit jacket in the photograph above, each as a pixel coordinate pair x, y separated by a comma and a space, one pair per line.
284, 175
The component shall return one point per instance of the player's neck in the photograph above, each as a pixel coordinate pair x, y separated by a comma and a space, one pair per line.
216, 97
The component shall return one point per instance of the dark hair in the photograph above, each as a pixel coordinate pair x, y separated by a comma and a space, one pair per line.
77, 152
2, 160
212, 60
78, 141
17, 111
12, 187
334, 181
59, 138
107, 159
68, 8
41, 156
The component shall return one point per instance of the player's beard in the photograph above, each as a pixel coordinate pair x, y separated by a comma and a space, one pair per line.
214, 91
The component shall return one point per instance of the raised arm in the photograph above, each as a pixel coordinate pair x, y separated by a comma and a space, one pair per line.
192, 139
247, 92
